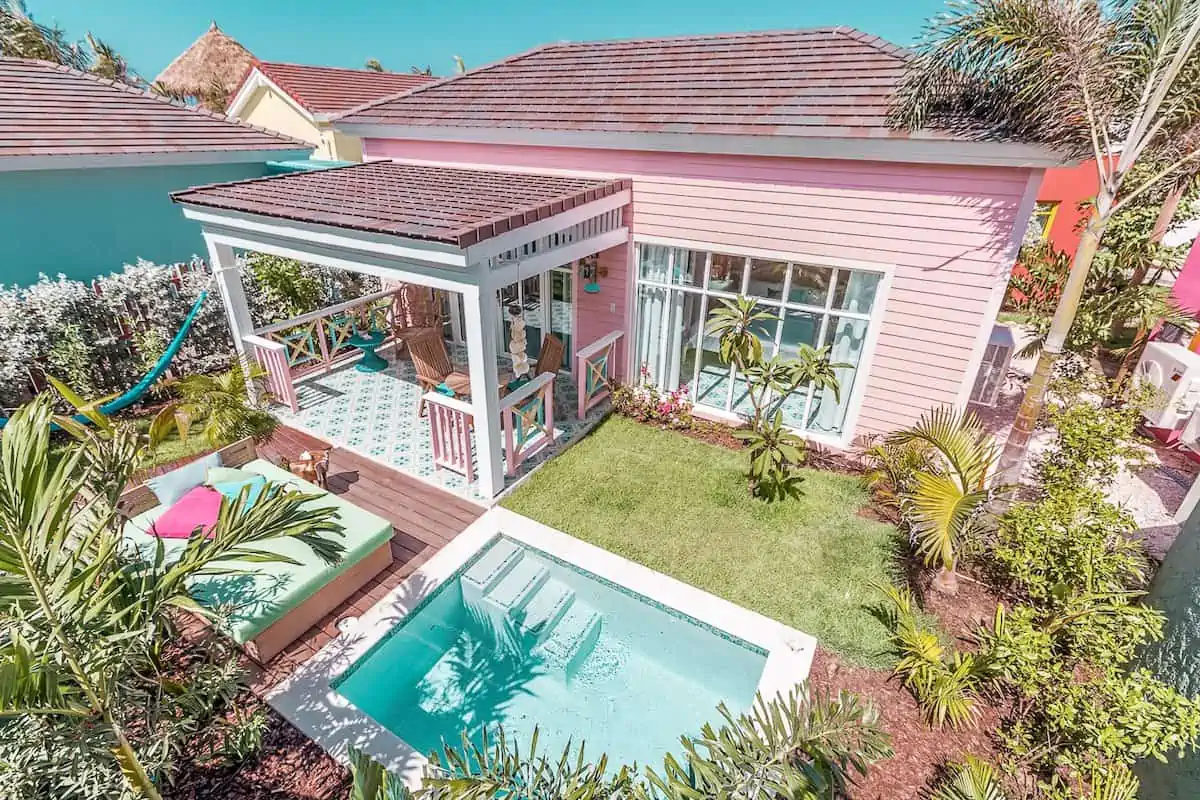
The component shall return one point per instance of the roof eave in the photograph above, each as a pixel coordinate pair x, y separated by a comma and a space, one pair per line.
110, 160
920, 149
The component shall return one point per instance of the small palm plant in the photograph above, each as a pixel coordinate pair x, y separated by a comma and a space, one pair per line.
220, 403
83, 616
946, 500
740, 327
973, 779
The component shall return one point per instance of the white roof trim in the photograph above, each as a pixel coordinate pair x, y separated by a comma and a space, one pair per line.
198, 158
922, 150
258, 80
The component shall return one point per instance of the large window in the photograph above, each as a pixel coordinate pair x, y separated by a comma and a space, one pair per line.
814, 305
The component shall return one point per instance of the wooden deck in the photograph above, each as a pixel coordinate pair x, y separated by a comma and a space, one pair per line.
423, 519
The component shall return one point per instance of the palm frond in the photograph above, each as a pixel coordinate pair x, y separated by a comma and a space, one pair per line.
974, 779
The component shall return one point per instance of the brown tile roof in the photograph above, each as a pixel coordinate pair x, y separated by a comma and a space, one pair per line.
441, 204
326, 90
830, 82
50, 110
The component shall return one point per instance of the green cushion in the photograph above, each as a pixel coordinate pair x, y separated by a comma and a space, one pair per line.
268, 591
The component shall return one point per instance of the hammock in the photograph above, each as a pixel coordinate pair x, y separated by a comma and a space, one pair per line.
160, 367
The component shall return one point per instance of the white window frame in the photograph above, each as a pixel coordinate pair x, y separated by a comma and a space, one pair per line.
874, 319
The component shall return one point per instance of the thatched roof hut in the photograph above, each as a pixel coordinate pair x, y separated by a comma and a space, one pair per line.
209, 70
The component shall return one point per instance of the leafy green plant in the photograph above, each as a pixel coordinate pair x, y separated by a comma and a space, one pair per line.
1094, 440
83, 619
774, 451
290, 288
946, 687
943, 501
973, 779
370, 781
241, 737
892, 468
220, 403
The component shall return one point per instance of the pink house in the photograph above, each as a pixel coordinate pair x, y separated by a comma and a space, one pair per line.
759, 164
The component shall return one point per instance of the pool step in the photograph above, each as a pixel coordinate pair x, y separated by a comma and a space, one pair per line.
544, 609
572, 639
509, 595
491, 567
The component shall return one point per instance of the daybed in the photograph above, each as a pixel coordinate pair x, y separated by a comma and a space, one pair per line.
274, 603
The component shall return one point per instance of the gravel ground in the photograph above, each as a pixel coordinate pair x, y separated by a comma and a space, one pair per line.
1152, 493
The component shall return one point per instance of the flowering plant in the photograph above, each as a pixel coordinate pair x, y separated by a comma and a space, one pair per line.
646, 402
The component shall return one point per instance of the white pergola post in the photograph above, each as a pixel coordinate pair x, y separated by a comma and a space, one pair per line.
233, 297
482, 318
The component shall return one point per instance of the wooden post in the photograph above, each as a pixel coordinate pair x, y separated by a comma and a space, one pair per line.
482, 321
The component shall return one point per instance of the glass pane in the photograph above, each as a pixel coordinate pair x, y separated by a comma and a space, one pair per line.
855, 291
683, 330
689, 268
562, 311
846, 338
727, 273
766, 279
799, 328
654, 262
652, 305
810, 285
765, 331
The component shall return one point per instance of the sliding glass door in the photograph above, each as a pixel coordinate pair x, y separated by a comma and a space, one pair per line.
545, 303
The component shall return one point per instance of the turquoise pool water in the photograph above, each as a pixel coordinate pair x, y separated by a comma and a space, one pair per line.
519, 639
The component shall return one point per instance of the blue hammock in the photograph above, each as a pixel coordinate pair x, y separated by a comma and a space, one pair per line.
160, 367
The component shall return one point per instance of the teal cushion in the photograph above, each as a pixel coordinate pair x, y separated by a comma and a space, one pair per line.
231, 489
442, 388
171, 486
227, 475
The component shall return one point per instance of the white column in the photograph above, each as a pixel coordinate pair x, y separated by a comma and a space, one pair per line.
229, 283
482, 320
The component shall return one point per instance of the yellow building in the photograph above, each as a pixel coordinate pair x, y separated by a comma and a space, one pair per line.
299, 100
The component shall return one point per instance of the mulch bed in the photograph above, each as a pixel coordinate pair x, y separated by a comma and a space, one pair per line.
290, 767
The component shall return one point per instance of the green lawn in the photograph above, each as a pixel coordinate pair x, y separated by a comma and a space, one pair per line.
681, 507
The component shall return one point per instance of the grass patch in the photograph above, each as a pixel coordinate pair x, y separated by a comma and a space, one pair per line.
681, 507
173, 449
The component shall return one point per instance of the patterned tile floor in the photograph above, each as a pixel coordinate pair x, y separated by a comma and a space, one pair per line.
375, 414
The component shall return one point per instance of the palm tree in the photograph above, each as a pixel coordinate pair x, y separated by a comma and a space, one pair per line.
82, 618
460, 66
1116, 82
374, 65
22, 37
944, 501
427, 70
221, 403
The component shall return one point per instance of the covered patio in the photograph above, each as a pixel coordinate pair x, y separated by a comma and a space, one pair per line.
498, 257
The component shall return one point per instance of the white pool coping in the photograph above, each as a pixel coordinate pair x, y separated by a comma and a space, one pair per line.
307, 698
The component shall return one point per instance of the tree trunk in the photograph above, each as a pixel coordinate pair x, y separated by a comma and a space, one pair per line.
945, 581
1012, 460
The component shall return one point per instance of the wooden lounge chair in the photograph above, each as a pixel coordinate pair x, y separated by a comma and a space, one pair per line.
415, 312
274, 603
432, 363
551, 356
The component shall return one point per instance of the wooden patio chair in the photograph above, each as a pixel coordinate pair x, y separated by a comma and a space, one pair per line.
432, 363
551, 356
415, 312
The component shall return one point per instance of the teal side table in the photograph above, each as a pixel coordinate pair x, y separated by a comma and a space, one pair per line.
367, 342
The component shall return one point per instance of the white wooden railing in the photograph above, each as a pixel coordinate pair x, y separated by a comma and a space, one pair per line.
527, 415
450, 422
593, 370
316, 341
273, 358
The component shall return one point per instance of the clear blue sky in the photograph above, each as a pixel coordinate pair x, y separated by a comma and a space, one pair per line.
401, 33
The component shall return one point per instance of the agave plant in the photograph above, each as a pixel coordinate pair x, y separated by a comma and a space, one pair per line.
945, 503
220, 403
83, 616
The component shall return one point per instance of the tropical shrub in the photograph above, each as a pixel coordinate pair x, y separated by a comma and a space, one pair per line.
946, 687
221, 404
943, 499
803, 747
85, 619
241, 737
288, 288
774, 452
973, 779
1093, 439
891, 470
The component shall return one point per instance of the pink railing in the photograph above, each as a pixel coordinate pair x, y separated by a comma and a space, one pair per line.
273, 358
593, 370
316, 341
450, 423
527, 415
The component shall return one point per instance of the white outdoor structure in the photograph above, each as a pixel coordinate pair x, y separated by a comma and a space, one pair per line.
462, 231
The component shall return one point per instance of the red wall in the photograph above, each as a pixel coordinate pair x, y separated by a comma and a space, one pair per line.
1068, 186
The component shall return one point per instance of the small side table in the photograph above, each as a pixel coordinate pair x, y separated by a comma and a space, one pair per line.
367, 342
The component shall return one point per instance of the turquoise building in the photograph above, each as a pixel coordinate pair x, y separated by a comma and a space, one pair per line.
86, 167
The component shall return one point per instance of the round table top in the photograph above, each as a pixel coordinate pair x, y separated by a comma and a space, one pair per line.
373, 339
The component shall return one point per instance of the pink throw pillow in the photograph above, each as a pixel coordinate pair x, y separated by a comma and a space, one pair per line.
196, 509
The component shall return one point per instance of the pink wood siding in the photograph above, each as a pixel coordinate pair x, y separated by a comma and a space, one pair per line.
946, 230
604, 312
